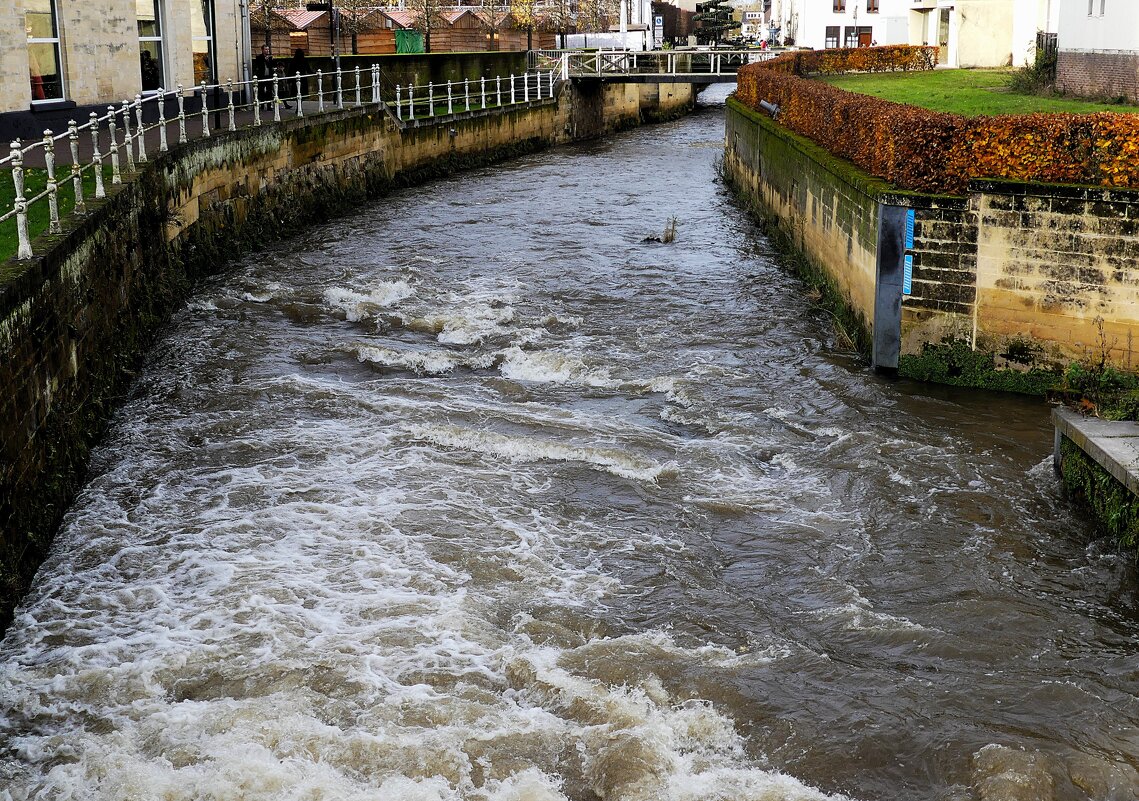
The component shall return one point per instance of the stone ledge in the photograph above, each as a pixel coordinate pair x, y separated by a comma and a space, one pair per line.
1113, 445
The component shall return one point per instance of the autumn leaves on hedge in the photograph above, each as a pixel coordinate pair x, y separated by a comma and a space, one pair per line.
930, 151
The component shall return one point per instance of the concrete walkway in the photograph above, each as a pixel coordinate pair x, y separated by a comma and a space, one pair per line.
1111, 444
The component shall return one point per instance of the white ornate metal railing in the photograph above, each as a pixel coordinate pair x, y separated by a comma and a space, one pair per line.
624, 63
112, 146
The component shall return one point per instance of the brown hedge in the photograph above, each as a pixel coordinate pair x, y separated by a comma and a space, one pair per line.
930, 151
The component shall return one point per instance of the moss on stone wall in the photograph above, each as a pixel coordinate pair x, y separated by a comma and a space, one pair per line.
1116, 509
849, 325
955, 362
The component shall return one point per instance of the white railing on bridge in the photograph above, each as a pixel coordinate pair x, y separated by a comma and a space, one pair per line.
626, 63
114, 145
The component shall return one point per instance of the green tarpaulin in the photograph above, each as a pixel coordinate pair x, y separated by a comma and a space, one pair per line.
408, 41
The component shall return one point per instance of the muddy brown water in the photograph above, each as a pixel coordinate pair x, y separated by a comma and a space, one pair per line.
475, 494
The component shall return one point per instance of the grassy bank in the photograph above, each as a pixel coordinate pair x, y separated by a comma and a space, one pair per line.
967, 92
35, 181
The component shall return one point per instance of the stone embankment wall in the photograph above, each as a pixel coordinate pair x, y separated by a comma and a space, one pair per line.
75, 322
1038, 275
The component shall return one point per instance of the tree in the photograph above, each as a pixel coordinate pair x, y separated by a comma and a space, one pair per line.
526, 17
715, 19
426, 16
493, 15
560, 17
596, 15
353, 14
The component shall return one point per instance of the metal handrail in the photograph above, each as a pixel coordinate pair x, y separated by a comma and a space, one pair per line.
122, 130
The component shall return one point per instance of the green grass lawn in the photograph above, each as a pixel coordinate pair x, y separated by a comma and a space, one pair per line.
38, 215
968, 92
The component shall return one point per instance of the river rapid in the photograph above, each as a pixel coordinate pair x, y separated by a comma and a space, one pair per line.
476, 494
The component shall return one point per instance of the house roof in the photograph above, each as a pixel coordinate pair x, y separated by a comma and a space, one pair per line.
277, 20
454, 15
300, 18
403, 19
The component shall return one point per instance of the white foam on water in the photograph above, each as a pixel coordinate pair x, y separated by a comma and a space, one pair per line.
553, 367
858, 614
518, 449
638, 744
360, 305
430, 362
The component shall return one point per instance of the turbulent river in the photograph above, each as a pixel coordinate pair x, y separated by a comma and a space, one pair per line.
476, 494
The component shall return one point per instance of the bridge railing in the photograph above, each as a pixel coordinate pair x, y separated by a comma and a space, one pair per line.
59, 173
615, 63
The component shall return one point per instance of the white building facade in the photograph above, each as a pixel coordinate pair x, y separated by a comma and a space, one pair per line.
56, 54
820, 24
1099, 48
968, 33
983, 33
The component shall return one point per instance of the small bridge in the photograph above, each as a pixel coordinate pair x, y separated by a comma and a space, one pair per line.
652, 66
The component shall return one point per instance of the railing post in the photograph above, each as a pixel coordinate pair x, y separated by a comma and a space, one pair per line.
162, 145
97, 158
24, 248
52, 184
319, 91
376, 83
205, 111
483, 87
449, 108
276, 98
128, 139
76, 173
339, 88
411, 101
116, 177
358, 103
526, 87
512, 88
398, 107
565, 66
141, 129
181, 117
498, 83
300, 98
256, 101
229, 95
467, 92
430, 100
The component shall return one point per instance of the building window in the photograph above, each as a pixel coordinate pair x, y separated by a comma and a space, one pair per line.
149, 16
872, 6
202, 35
832, 37
44, 61
840, 6
858, 36
1092, 7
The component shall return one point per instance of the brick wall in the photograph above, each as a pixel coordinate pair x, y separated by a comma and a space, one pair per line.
1102, 74
1059, 265
943, 293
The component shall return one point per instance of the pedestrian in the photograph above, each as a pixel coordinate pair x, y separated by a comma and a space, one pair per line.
150, 74
264, 67
299, 66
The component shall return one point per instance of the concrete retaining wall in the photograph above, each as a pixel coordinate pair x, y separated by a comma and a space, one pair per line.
74, 323
1042, 274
